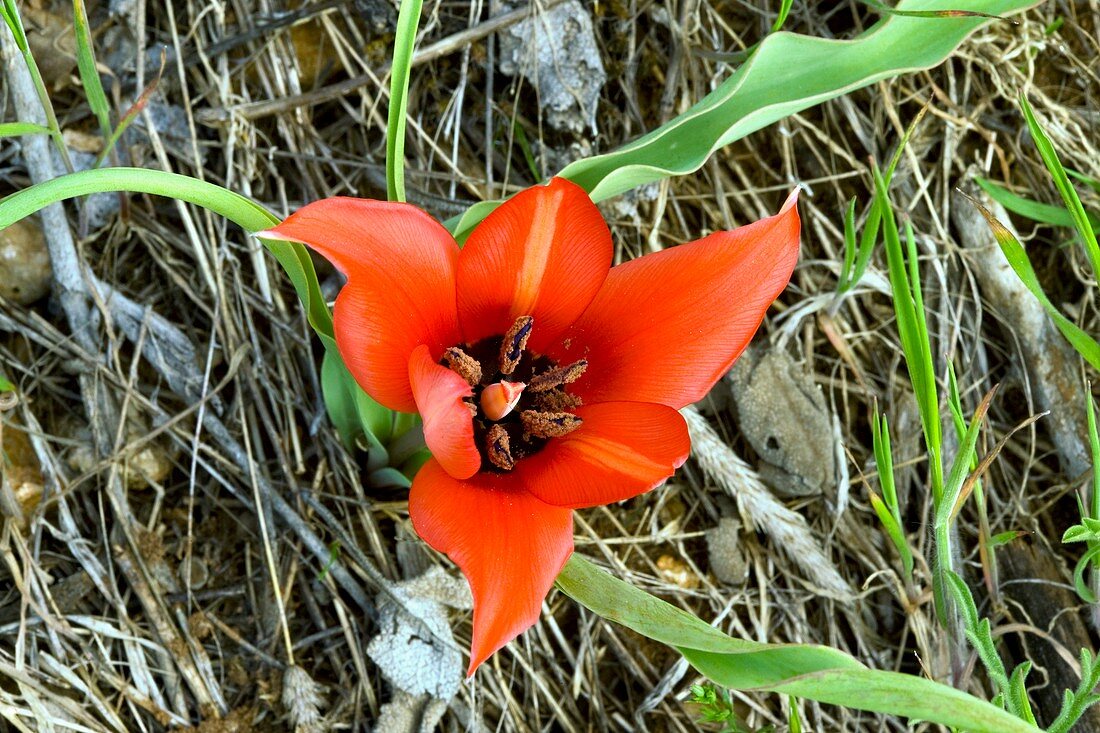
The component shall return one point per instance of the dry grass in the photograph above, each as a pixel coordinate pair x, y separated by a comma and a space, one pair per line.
163, 584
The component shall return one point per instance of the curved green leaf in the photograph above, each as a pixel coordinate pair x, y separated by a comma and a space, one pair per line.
813, 672
242, 211
769, 87
408, 18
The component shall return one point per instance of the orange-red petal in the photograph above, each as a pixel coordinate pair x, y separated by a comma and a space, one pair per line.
400, 264
509, 545
448, 422
622, 449
665, 327
544, 253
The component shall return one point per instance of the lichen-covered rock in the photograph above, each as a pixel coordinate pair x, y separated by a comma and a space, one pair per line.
556, 51
25, 271
414, 647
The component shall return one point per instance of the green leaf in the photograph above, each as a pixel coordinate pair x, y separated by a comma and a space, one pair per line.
1034, 210
89, 74
811, 672
1079, 533
6, 386
243, 211
15, 129
768, 87
1017, 258
1065, 188
1079, 570
408, 18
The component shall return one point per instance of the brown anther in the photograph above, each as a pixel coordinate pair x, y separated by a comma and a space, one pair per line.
515, 341
557, 377
463, 365
557, 400
549, 424
498, 448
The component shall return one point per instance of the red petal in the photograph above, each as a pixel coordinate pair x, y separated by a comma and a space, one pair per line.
448, 422
665, 327
509, 545
542, 253
622, 449
400, 265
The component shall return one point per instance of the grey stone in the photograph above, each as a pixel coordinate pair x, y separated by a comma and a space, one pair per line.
557, 52
785, 418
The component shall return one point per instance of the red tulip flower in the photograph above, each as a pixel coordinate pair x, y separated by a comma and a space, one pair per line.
547, 380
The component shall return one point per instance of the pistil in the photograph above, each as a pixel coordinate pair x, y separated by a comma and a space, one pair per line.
500, 398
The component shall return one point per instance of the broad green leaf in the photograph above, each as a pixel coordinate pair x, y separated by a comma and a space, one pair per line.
6, 386
769, 87
408, 18
812, 672
15, 129
339, 401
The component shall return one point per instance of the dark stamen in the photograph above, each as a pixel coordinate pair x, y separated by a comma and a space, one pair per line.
549, 424
557, 377
556, 400
498, 447
515, 341
463, 364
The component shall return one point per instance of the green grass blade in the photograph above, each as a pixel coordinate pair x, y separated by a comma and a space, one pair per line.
12, 19
1017, 258
845, 281
784, 11
1062, 183
408, 19
1034, 210
15, 129
912, 331
768, 87
131, 114
803, 670
89, 74
1094, 451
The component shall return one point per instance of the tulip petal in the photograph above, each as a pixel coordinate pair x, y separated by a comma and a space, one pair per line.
544, 253
509, 545
448, 422
665, 327
621, 449
400, 264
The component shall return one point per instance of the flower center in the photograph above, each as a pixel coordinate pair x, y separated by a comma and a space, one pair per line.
521, 400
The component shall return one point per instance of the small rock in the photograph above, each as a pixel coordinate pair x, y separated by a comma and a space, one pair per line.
785, 418
557, 52
21, 475
414, 648
726, 555
407, 713
677, 572
25, 272
148, 465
